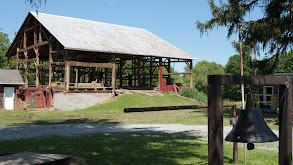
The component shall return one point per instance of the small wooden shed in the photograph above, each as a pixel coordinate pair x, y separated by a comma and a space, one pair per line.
10, 80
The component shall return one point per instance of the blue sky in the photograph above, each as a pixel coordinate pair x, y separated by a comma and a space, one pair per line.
172, 20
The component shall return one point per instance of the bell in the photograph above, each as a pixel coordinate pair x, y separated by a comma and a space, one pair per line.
251, 127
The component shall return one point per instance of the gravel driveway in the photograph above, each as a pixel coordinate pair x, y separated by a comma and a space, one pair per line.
32, 131
36, 131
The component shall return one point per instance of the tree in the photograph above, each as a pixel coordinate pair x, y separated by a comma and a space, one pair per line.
4, 45
286, 63
233, 92
35, 3
201, 70
272, 32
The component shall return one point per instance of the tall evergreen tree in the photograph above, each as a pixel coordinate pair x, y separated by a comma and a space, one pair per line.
272, 32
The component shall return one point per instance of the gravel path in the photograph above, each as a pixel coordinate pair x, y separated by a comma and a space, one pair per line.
33, 131
37, 131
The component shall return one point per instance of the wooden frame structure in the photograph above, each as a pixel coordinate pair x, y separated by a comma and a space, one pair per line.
215, 113
42, 59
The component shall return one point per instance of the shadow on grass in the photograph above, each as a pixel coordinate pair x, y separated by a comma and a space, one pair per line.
119, 148
65, 121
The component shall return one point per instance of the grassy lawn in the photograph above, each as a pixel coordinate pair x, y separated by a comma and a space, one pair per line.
112, 113
134, 149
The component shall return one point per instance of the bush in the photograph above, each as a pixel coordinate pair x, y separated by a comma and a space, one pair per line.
194, 94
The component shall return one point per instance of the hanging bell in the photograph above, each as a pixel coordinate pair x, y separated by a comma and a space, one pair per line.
251, 127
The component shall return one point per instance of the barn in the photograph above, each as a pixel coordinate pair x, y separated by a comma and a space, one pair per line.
10, 80
71, 55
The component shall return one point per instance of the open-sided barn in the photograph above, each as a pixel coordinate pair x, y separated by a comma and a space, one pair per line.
76, 55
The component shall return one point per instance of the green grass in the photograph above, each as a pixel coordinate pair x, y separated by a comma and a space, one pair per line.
112, 113
135, 149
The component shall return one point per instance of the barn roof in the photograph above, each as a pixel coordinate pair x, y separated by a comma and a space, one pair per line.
11, 77
85, 35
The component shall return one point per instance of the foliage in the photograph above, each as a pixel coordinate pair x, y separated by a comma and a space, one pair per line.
286, 63
233, 92
4, 46
201, 70
272, 32
35, 3
194, 94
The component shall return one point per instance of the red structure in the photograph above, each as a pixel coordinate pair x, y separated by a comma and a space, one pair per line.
42, 96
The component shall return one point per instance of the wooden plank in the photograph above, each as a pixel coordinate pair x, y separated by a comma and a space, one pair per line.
215, 124
34, 46
29, 74
164, 74
285, 124
250, 80
33, 158
90, 65
28, 60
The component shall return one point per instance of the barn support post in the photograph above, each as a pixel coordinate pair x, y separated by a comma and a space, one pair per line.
160, 73
50, 62
138, 72
17, 58
67, 72
169, 67
215, 124
113, 75
76, 77
191, 74
37, 54
151, 71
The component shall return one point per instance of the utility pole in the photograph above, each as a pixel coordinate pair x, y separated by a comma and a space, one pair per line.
241, 25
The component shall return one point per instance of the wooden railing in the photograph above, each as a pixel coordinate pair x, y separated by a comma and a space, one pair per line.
271, 100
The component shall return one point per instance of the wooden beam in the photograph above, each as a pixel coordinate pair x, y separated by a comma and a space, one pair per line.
285, 124
113, 74
90, 65
176, 73
67, 76
33, 46
29, 60
50, 63
215, 124
249, 80
29, 74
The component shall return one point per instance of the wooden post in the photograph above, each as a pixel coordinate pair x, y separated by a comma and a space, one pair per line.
285, 124
120, 72
50, 63
138, 72
169, 68
113, 75
106, 77
191, 74
151, 71
76, 77
160, 73
26, 58
67, 76
17, 59
215, 124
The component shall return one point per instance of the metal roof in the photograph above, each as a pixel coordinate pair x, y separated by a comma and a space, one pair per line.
11, 77
85, 35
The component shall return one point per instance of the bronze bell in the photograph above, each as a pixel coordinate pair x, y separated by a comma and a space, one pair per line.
251, 127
